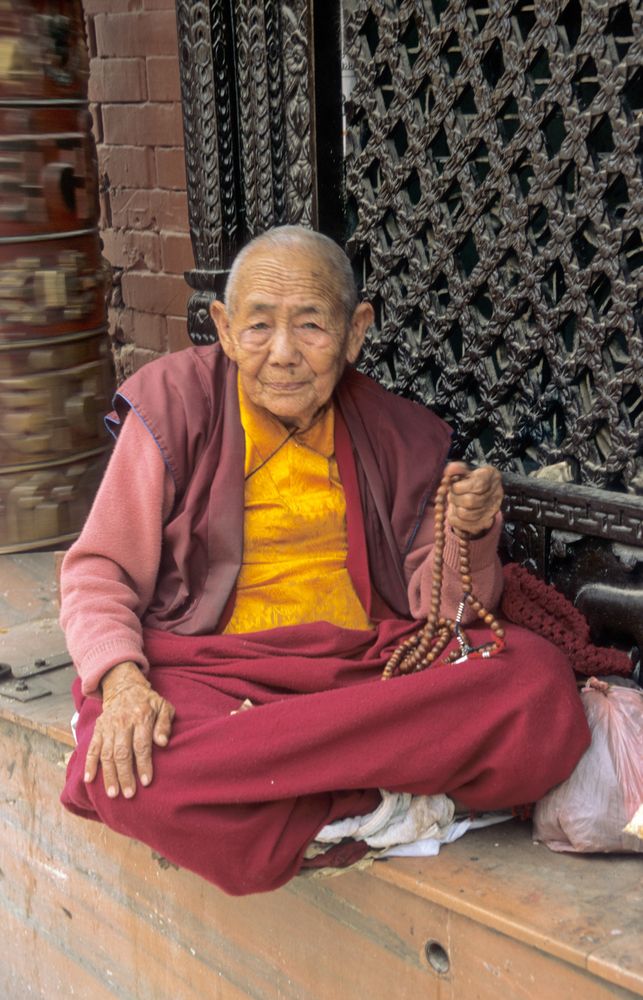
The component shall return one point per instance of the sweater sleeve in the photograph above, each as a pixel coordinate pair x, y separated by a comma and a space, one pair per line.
486, 571
109, 574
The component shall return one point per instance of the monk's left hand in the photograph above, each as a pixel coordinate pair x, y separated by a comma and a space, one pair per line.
474, 498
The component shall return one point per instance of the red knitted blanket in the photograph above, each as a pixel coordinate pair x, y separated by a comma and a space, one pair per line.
539, 606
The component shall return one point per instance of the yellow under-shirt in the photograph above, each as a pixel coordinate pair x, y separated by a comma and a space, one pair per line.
294, 543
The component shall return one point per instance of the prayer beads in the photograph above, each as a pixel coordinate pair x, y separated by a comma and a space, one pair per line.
424, 648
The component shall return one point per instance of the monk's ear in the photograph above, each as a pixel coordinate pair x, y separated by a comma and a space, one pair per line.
362, 319
219, 316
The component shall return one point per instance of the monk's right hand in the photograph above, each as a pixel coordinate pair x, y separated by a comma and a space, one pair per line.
134, 717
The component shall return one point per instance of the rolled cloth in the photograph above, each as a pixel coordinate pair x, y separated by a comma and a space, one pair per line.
537, 605
238, 798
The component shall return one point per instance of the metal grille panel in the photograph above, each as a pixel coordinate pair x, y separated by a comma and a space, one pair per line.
494, 198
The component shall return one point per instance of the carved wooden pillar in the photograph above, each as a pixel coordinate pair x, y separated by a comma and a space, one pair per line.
248, 107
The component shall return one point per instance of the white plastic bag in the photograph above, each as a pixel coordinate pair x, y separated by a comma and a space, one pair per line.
589, 810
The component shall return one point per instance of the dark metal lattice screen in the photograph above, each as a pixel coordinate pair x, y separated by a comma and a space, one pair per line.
494, 196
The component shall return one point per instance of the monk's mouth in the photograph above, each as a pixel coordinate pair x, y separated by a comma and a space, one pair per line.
286, 386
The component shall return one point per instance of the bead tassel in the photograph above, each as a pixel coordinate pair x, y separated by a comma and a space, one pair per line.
425, 646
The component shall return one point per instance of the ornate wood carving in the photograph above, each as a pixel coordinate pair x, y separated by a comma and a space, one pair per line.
298, 94
246, 90
589, 543
495, 191
207, 73
615, 517
492, 199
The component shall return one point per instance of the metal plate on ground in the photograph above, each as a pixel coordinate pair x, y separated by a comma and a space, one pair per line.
26, 651
34, 647
23, 690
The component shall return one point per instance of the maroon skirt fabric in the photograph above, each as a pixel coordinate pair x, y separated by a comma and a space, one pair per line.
237, 798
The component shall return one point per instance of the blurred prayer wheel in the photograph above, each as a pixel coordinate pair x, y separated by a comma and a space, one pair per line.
55, 370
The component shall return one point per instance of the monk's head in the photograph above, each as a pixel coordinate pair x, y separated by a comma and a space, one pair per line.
291, 320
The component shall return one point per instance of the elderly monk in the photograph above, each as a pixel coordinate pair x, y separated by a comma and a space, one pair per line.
263, 540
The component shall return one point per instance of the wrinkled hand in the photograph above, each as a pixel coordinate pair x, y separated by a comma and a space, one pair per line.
475, 498
134, 717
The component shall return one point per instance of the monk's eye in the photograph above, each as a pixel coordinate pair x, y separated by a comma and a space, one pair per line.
313, 334
255, 335
309, 328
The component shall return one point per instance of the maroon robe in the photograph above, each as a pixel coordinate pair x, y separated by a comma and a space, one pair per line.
237, 798
390, 453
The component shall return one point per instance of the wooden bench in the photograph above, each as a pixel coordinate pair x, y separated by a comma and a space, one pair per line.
88, 913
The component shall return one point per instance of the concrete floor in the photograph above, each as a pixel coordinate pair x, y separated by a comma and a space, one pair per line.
28, 588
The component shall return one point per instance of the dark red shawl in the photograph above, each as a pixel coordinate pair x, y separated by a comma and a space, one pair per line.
390, 453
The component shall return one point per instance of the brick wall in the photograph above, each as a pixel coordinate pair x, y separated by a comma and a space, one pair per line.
135, 103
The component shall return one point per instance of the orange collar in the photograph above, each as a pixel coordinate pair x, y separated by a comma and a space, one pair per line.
267, 433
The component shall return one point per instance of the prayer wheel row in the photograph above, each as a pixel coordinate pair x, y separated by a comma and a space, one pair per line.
55, 368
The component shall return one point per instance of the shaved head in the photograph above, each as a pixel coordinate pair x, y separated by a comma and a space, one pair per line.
330, 255
291, 321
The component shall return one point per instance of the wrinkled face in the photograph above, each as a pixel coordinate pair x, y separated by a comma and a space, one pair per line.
287, 331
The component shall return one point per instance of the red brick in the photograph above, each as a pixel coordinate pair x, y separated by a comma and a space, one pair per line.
126, 166
156, 210
163, 80
143, 124
136, 34
96, 112
177, 253
159, 4
119, 324
146, 330
113, 80
155, 293
104, 209
177, 333
131, 249
170, 168
130, 358
140, 357
90, 36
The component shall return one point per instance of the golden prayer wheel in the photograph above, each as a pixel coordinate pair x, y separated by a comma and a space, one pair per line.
55, 369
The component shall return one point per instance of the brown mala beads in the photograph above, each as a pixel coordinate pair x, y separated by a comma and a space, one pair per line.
424, 648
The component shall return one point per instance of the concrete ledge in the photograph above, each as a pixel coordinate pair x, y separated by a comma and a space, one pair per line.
89, 913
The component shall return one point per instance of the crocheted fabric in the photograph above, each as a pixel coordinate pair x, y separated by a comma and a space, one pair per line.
539, 606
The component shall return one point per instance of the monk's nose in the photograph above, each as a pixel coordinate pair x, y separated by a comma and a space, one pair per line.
283, 347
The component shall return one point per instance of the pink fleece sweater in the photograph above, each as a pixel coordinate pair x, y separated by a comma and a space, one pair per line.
109, 573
